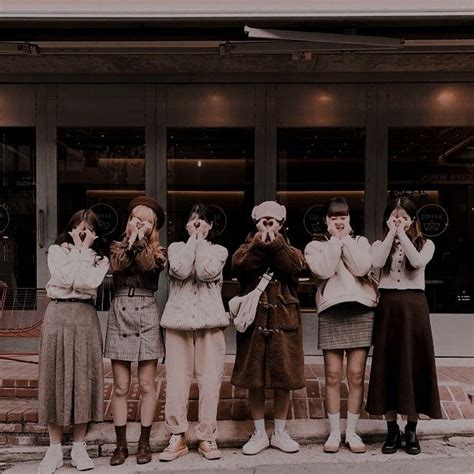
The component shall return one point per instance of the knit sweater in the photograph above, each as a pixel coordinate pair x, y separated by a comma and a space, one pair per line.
195, 301
74, 273
399, 277
340, 266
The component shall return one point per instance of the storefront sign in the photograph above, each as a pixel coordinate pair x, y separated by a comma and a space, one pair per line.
433, 220
108, 216
4, 218
220, 218
313, 220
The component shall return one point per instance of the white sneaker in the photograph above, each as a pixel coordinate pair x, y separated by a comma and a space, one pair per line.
332, 444
355, 443
284, 442
257, 443
80, 458
53, 459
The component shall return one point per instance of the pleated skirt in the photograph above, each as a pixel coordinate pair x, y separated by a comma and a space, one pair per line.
71, 378
403, 375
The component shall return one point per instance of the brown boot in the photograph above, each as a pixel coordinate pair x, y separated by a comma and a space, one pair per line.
176, 448
120, 453
143, 453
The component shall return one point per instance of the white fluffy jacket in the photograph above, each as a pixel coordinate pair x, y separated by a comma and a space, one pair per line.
340, 265
195, 301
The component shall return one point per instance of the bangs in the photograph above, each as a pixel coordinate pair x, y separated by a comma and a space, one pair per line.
338, 208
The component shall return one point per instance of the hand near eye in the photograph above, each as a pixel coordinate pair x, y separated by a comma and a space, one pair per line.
203, 231
191, 228
76, 237
144, 229
401, 228
89, 239
393, 224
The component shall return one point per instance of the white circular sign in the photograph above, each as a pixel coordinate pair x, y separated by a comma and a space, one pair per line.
433, 219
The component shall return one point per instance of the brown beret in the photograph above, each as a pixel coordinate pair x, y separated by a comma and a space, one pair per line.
152, 204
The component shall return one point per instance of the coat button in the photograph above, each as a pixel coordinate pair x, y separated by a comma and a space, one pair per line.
124, 335
137, 308
137, 334
123, 308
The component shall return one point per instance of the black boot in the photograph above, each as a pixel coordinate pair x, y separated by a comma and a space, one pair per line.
394, 438
412, 445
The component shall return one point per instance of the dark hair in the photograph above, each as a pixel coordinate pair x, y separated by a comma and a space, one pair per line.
206, 214
414, 232
337, 206
91, 219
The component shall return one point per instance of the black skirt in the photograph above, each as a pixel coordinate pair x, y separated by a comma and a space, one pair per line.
403, 375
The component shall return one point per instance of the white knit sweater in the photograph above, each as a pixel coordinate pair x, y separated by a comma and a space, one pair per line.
195, 300
340, 264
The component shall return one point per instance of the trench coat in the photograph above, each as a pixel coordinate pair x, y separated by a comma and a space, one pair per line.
270, 352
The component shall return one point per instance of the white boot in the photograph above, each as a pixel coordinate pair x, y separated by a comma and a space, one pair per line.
53, 459
80, 458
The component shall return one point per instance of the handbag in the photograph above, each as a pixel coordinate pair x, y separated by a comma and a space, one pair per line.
243, 309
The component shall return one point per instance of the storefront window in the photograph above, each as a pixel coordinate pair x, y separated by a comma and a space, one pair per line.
314, 165
17, 208
104, 169
435, 166
213, 166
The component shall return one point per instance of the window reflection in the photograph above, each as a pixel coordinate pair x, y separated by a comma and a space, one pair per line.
435, 166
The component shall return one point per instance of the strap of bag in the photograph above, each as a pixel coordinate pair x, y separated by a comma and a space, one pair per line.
265, 280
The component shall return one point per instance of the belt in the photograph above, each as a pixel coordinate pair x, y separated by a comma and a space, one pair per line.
131, 291
74, 300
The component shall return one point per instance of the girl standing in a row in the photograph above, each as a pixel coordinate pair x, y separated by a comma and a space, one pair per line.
403, 377
345, 300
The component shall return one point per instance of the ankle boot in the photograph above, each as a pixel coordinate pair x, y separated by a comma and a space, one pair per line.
412, 445
393, 441
144, 451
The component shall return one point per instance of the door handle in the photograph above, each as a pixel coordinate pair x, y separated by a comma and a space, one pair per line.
41, 229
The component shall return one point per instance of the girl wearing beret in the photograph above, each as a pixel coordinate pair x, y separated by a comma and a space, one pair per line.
71, 382
345, 300
194, 318
403, 376
133, 326
270, 351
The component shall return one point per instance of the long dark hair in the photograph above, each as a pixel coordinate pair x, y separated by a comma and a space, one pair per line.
414, 232
206, 214
337, 206
92, 221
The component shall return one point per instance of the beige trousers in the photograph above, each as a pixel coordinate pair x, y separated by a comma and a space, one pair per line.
201, 351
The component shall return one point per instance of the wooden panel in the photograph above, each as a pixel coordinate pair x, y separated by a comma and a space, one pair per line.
17, 106
211, 106
431, 104
320, 105
101, 105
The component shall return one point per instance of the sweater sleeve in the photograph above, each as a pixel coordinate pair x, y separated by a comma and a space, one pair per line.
380, 251
147, 259
418, 259
63, 264
120, 257
91, 270
356, 255
181, 258
323, 257
210, 261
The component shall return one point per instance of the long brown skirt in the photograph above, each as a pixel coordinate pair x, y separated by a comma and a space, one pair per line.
71, 378
403, 375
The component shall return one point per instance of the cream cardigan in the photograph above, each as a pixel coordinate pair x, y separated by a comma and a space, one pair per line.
74, 273
339, 265
399, 277
195, 300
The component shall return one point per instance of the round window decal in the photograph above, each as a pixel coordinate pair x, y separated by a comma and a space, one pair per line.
108, 216
220, 218
4, 218
313, 220
433, 219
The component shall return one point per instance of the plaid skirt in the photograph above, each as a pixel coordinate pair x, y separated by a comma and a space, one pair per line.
345, 326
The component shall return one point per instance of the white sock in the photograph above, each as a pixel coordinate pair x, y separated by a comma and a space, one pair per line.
352, 420
77, 444
334, 424
279, 426
260, 426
